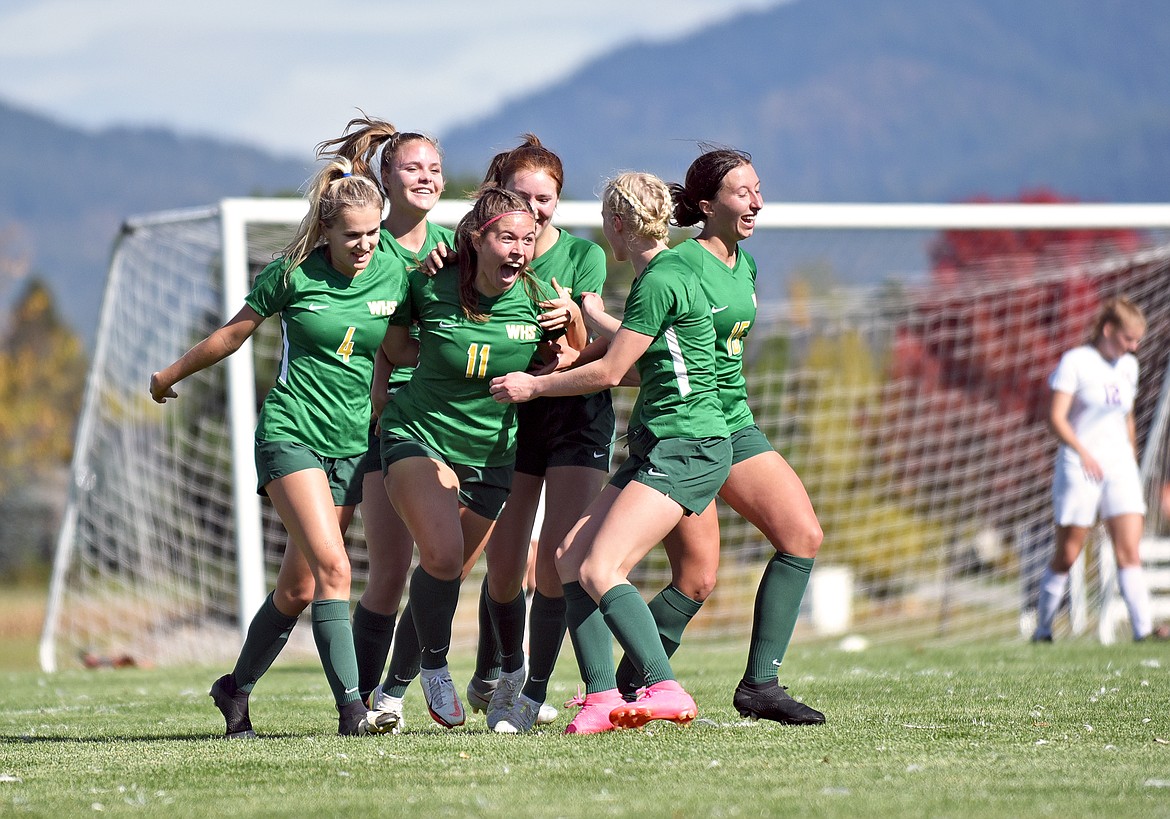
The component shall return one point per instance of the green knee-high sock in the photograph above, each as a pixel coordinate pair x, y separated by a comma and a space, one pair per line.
629, 618
591, 638
372, 633
434, 602
404, 659
267, 634
672, 611
487, 651
333, 634
546, 632
508, 625
777, 607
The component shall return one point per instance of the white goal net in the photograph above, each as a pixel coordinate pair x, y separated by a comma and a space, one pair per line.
913, 407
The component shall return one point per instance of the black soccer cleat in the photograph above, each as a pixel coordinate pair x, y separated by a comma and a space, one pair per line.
770, 700
351, 719
233, 704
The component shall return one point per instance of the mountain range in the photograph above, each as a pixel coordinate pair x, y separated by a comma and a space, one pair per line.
837, 100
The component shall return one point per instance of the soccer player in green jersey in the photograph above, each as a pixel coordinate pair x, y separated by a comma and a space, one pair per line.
447, 446
411, 174
334, 294
679, 457
563, 447
722, 192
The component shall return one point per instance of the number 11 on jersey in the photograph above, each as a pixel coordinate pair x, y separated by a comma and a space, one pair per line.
477, 360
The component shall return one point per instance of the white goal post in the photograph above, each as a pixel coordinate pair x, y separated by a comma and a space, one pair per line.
906, 404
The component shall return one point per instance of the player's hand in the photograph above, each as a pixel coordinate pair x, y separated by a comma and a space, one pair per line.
592, 307
555, 357
558, 312
436, 260
1092, 468
513, 388
159, 392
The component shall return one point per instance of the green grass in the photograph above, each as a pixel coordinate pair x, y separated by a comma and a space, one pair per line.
1004, 729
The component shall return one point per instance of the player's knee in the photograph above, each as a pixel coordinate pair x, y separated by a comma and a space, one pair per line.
505, 589
804, 542
597, 579
294, 599
698, 587
442, 566
334, 572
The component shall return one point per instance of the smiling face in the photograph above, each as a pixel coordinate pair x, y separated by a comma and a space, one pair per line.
504, 249
351, 237
732, 213
540, 190
415, 178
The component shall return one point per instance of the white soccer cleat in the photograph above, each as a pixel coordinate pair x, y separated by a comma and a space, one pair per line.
547, 714
524, 714
504, 697
385, 713
442, 701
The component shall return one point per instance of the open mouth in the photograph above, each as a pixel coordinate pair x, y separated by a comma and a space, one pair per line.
510, 270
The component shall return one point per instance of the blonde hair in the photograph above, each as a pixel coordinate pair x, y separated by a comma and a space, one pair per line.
490, 204
362, 138
334, 188
1120, 312
643, 202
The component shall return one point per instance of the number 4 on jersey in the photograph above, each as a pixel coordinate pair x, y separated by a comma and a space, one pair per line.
346, 348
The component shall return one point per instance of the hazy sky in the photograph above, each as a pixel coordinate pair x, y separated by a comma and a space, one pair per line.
286, 74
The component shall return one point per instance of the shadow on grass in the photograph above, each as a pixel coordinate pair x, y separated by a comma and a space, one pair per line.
25, 739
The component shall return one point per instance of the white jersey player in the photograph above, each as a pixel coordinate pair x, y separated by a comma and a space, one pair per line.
1096, 471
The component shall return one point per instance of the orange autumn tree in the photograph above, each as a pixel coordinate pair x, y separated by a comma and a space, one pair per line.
970, 360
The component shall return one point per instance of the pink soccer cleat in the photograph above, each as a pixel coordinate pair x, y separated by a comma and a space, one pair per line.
665, 700
593, 718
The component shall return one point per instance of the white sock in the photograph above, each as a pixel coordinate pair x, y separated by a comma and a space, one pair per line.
1136, 595
385, 701
1053, 587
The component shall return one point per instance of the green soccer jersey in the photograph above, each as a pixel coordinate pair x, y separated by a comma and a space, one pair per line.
732, 294
447, 404
331, 326
679, 397
575, 263
410, 261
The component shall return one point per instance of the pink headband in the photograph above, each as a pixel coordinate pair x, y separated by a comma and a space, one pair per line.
497, 217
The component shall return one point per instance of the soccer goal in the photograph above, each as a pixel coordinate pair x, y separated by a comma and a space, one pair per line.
913, 407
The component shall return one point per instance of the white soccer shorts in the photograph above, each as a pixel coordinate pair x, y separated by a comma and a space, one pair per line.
1077, 500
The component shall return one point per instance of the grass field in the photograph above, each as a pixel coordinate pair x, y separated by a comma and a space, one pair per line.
1004, 729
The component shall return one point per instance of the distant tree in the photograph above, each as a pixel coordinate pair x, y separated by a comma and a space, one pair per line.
975, 359
960, 254
42, 374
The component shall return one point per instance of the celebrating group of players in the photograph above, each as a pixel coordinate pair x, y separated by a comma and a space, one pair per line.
487, 356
